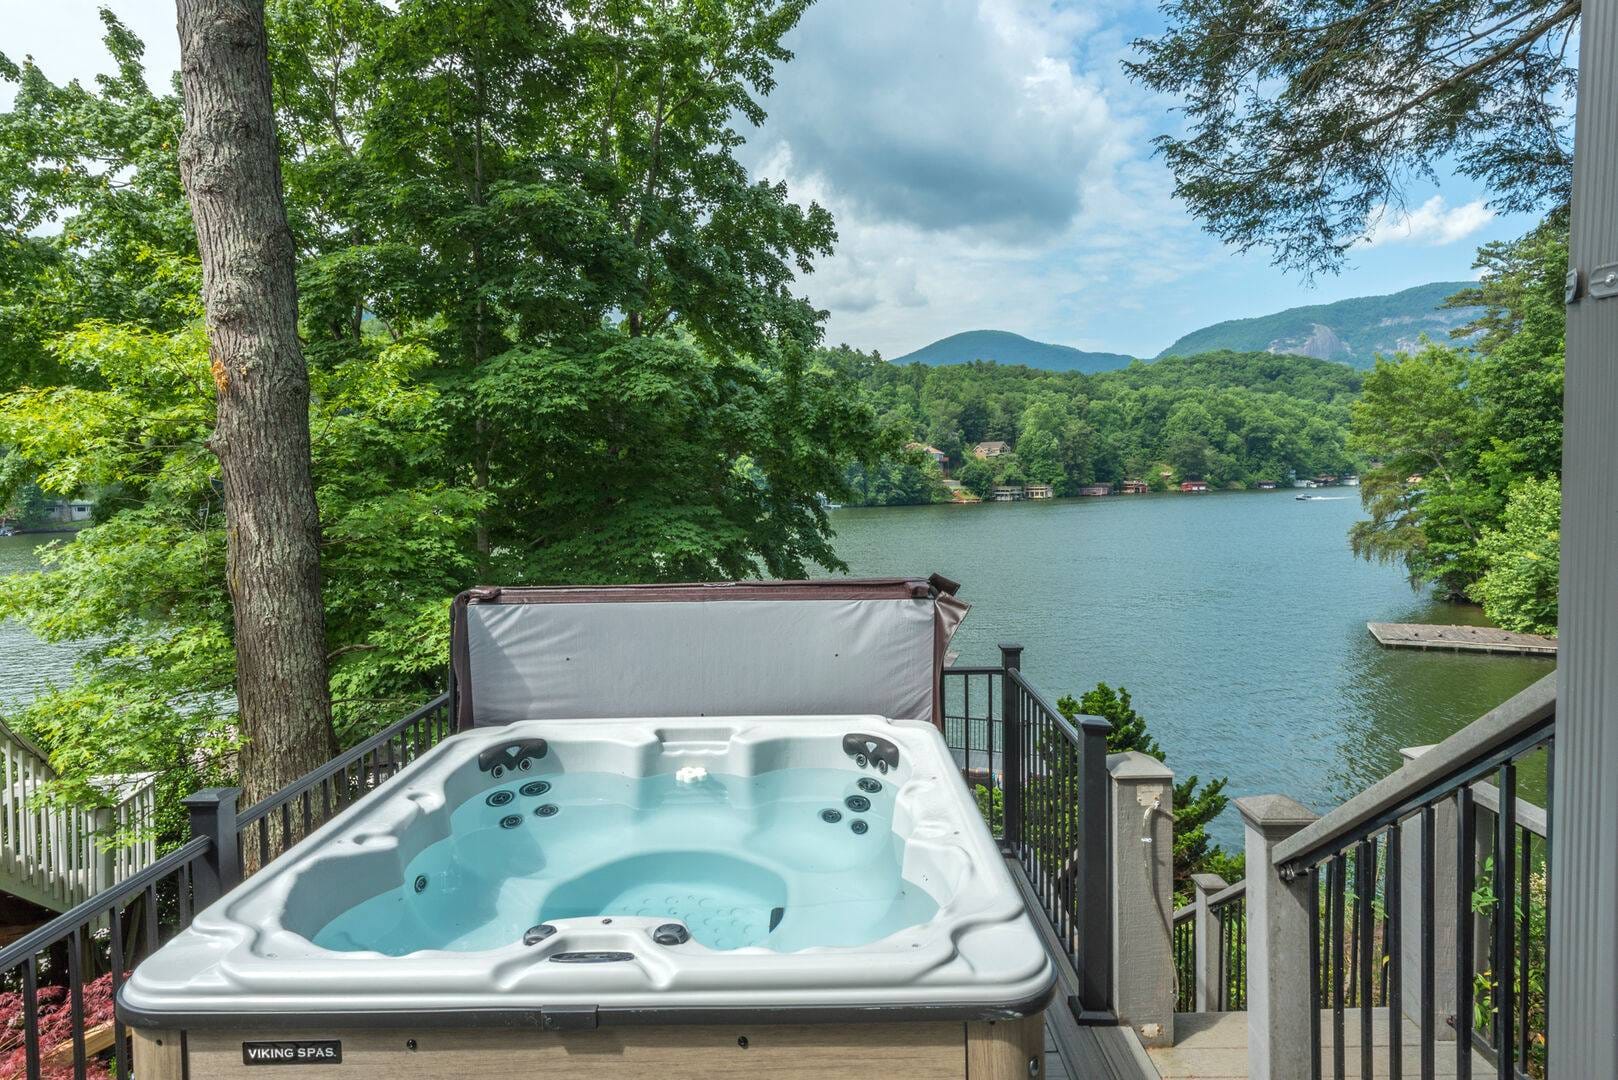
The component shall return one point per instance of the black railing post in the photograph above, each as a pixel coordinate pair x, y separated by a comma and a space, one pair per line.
213, 814
1011, 749
1092, 867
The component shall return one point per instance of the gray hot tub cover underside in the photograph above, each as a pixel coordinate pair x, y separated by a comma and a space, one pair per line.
826, 647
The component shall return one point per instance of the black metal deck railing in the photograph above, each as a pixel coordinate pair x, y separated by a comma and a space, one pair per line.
1225, 979
1453, 840
1041, 782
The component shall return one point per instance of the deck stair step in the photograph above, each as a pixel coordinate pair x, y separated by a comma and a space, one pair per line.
1213, 1046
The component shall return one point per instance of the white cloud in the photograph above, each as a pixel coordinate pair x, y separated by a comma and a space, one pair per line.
980, 175
1433, 223
948, 114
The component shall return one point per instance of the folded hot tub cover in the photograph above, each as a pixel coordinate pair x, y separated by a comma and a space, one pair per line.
723, 649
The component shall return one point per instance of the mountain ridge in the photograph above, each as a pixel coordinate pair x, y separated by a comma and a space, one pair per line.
1005, 347
1350, 331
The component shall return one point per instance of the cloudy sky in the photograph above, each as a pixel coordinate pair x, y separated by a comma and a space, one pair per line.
989, 167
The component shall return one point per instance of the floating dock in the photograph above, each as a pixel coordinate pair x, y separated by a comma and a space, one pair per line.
1461, 639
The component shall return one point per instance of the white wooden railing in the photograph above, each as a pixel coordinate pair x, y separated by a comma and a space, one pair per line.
57, 856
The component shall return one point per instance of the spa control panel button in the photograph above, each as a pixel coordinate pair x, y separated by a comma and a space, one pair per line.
535, 934
293, 1052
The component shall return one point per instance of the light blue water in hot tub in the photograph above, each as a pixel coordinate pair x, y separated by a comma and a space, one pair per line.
785, 860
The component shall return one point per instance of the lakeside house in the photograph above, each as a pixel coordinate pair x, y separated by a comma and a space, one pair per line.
1134, 487
992, 449
1006, 493
71, 511
1194, 485
1096, 489
933, 452
1038, 491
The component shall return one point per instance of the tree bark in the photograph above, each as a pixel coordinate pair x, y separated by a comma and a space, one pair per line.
232, 175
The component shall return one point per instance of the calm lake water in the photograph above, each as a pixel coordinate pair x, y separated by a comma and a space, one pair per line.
26, 663
1237, 621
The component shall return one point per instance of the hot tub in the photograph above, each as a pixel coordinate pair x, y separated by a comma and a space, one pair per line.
572, 896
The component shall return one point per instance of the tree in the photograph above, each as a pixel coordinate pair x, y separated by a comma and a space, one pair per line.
1419, 419
1521, 558
688, 450
232, 177
90, 199
1306, 118
143, 588
1472, 425
976, 476
1195, 803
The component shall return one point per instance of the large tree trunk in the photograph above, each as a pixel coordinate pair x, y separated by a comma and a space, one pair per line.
232, 178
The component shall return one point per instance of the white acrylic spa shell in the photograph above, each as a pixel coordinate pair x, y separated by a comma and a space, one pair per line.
979, 954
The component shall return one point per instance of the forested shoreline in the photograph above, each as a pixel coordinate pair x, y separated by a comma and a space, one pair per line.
1231, 419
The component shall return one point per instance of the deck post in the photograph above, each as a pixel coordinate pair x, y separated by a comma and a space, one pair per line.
1210, 972
1279, 997
1142, 877
213, 814
1442, 932
1010, 750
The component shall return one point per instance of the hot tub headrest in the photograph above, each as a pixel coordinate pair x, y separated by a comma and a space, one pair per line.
727, 649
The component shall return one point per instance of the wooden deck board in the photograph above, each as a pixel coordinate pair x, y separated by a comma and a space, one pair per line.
1461, 638
1213, 1046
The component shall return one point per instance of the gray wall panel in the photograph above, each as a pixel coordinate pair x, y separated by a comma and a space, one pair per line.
1584, 890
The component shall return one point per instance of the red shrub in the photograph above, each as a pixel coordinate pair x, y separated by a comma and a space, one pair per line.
55, 1031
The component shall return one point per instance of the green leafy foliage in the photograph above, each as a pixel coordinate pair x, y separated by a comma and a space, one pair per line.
1233, 419
143, 588
1306, 117
1521, 558
1195, 803
550, 321
1453, 432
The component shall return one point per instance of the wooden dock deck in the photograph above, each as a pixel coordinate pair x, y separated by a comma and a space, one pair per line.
1461, 639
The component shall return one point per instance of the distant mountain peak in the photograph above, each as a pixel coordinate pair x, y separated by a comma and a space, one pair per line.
1351, 331
1004, 347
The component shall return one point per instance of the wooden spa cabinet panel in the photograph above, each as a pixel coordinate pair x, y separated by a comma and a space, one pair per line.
944, 1050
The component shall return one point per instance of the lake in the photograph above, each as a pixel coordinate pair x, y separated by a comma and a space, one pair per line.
1236, 620
27, 664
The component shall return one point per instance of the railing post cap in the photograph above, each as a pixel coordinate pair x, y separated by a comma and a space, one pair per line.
1007, 648
1134, 765
1275, 815
211, 796
1097, 725
1208, 883
1411, 753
